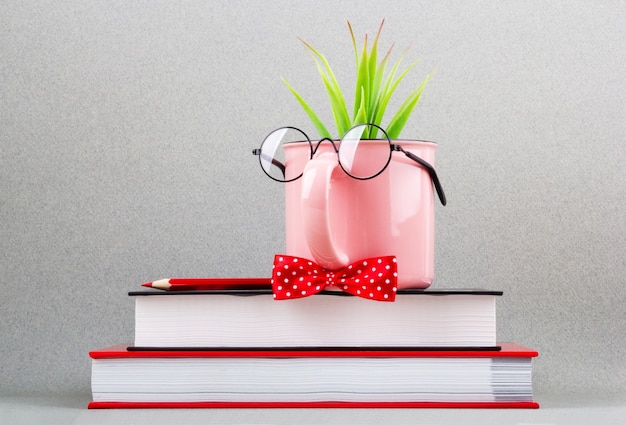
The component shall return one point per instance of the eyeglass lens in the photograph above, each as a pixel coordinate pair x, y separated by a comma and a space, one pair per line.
361, 155
275, 156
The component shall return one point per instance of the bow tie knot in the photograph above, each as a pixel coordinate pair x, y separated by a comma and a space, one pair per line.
372, 278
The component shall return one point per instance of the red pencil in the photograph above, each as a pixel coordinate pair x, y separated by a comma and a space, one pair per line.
200, 283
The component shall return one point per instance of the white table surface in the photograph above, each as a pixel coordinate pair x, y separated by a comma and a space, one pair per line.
589, 409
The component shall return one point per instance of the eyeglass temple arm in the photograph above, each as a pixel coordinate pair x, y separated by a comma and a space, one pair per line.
429, 168
275, 162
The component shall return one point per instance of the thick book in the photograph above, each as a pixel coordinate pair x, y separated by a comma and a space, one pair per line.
252, 318
123, 378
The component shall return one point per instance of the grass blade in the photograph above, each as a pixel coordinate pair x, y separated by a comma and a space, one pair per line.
362, 78
361, 115
340, 111
374, 74
356, 52
380, 90
401, 117
390, 87
342, 121
321, 129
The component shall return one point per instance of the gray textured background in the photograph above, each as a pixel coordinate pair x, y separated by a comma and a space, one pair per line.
125, 138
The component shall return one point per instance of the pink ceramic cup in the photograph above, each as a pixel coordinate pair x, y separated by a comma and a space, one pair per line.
336, 219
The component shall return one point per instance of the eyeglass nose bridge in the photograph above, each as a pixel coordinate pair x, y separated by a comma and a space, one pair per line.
325, 139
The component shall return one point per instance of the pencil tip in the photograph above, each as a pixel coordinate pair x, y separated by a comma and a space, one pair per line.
160, 284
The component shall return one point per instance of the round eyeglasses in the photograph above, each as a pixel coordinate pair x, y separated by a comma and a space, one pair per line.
363, 140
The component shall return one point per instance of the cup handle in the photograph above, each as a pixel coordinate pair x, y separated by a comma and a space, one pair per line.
315, 203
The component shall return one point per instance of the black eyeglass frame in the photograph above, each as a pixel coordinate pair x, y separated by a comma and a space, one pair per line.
392, 147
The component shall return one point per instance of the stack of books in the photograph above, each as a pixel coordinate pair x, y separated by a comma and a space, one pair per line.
233, 345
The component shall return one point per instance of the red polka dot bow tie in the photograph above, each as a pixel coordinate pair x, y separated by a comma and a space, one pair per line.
372, 278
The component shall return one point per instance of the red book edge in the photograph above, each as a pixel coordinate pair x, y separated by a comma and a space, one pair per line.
323, 404
508, 349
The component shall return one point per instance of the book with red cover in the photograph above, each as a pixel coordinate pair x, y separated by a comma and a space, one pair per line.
401, 378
